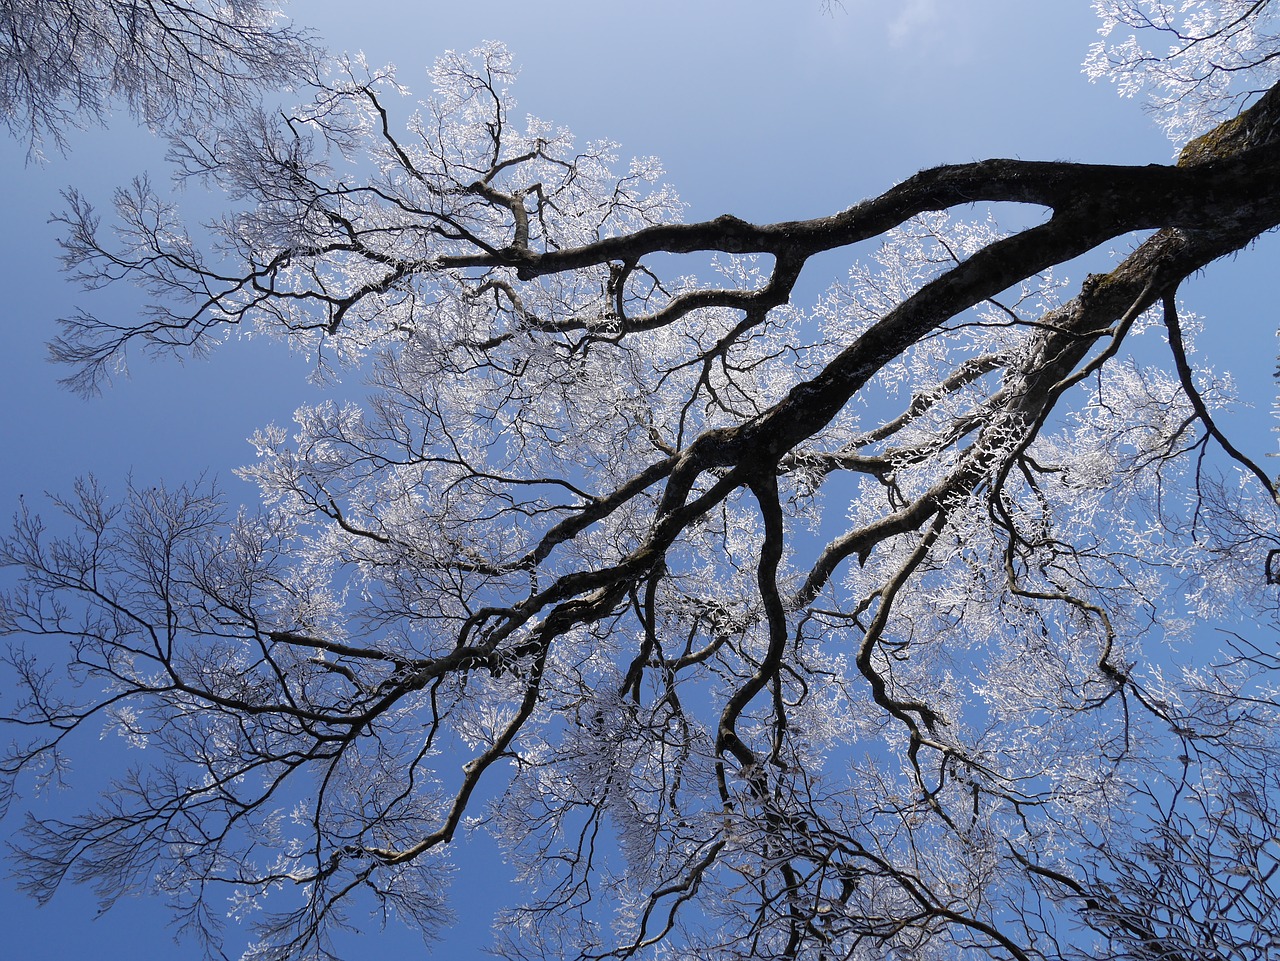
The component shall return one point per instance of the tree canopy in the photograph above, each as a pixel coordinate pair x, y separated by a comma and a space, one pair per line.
64, 63
751, 628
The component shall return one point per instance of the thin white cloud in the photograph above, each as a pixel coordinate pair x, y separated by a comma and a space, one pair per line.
916, 17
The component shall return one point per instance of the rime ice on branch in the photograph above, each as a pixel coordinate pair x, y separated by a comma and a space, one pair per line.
1197, 63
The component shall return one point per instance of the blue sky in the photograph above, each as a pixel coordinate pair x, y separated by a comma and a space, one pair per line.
764, 109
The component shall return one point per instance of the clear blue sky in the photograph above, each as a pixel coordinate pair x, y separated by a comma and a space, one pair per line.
765, 109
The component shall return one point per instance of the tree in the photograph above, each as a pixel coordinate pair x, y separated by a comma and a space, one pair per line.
67, 62
753, 631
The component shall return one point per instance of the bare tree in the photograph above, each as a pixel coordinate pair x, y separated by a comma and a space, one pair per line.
771, 631
65, 63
